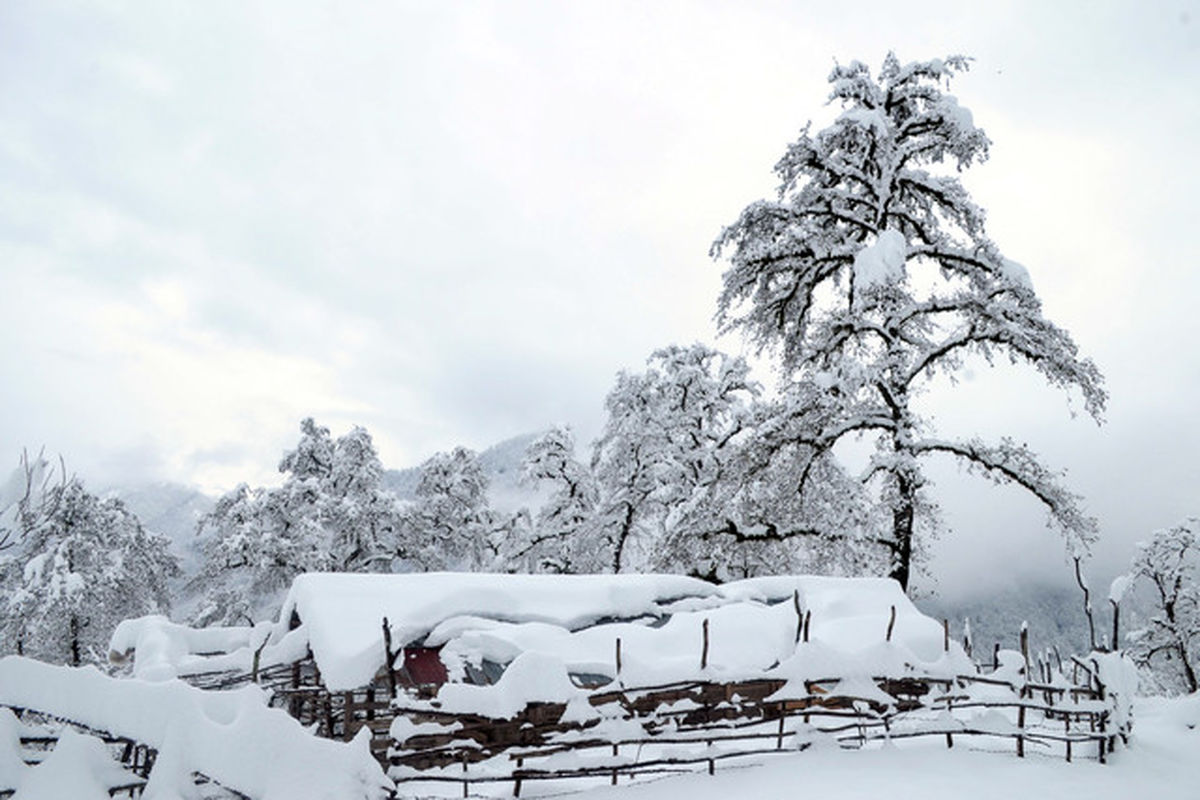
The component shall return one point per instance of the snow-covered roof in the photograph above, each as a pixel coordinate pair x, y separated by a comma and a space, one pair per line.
574, 619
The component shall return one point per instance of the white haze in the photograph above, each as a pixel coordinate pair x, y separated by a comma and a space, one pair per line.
453, 223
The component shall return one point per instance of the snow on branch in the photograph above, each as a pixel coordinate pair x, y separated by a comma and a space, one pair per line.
1009, 462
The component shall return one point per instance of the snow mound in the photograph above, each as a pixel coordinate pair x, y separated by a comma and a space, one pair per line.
80, 768
231, 736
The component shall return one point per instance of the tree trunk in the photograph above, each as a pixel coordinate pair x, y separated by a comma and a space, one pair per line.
902, 531
622, 537
1189, 674
74, 628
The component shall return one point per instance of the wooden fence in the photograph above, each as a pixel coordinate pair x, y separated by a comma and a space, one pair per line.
692, 726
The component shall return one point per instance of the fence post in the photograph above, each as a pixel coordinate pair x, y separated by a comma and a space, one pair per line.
891, 623
949, 707
616, 747
704, 652
807, 620
799, 614
1067, 730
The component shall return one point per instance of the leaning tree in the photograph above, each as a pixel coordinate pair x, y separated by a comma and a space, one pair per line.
870, 272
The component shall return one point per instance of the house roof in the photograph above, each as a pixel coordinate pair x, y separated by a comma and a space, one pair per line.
574, 620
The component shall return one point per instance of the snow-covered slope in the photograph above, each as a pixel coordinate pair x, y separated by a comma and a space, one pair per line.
172, 510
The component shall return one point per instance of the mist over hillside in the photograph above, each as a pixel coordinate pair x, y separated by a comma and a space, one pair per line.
1054, 613
501, 463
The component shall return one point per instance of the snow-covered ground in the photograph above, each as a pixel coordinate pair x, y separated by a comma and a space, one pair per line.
1162, 763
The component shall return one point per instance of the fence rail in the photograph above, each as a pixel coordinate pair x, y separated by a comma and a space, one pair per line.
727, 721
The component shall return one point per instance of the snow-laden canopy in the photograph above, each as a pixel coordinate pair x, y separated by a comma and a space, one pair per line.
573, 619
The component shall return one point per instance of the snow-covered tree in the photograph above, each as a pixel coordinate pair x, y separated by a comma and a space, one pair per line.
662, 447
81, 565
870, 273
562, 536
1169, 644
451, 525
331, 513
773, 504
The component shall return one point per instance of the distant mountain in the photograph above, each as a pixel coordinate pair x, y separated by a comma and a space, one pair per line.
172, 510
1055, 616
501, 463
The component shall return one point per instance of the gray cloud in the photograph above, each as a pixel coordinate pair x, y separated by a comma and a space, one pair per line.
455, 222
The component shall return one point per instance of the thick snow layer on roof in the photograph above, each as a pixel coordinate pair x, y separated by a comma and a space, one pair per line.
343, 614
230, 736
574, 620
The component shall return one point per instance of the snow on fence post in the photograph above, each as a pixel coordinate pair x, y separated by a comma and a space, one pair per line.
891, 623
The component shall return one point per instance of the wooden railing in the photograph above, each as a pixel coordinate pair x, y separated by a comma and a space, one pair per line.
692, 726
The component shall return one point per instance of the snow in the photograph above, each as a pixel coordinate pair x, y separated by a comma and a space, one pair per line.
958, 116
163, 647
1015, 273
530, 675
12, 767
873, 119
1118, 588
80, 767
343, 614
881, 263
1162, 762
573, 621
230, 736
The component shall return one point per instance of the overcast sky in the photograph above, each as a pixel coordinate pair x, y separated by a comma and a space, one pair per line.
454, 222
